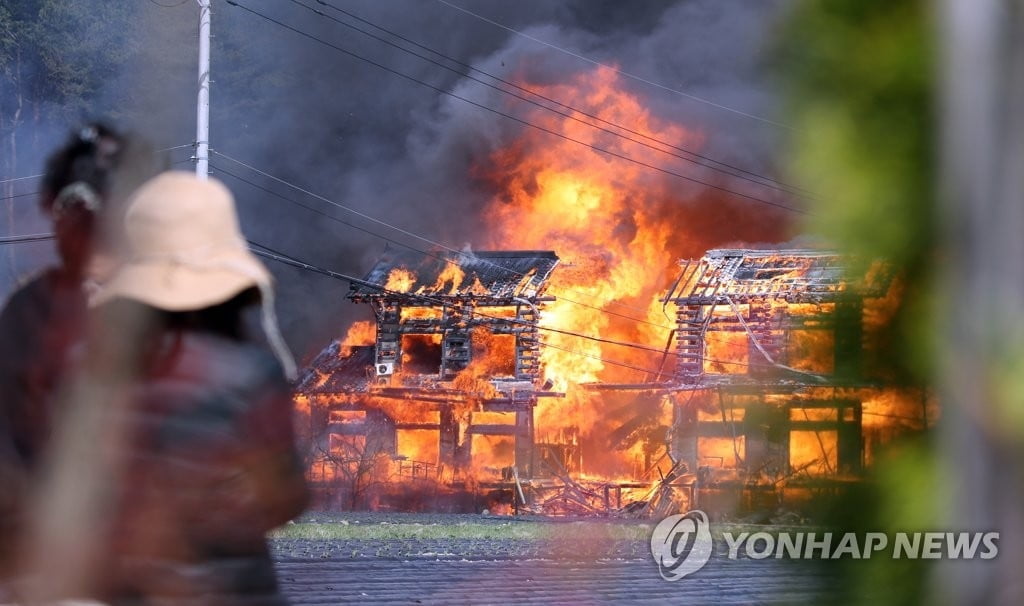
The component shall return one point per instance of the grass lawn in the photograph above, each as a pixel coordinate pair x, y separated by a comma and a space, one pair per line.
511, 530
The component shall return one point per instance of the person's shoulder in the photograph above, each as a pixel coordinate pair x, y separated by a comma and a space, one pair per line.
33, 286
28, 306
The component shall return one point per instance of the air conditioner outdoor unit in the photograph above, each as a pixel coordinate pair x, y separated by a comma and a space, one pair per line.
385, 369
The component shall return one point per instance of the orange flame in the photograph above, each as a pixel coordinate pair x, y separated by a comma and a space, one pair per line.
400, 280
618, 230
452, 274
363, 332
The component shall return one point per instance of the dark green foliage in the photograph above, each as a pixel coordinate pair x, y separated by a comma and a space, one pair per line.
859, 77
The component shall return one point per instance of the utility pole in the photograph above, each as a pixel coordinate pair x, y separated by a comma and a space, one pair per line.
981, 85
203, 105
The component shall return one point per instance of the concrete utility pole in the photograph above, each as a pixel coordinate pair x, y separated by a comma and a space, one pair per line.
981, 436
203, 105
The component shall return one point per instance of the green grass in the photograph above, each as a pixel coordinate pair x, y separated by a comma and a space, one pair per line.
463, 530
513, 530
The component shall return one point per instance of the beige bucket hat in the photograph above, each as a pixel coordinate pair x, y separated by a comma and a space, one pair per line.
186, 252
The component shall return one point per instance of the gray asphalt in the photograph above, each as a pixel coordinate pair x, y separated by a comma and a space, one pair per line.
540, 582
526, 572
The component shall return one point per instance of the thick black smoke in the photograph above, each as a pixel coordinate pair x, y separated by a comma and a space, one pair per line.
398, 150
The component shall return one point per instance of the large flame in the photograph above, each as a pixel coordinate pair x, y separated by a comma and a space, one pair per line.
620, 229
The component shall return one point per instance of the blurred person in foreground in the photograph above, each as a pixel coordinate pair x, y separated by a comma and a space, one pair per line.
199, 446
45, 318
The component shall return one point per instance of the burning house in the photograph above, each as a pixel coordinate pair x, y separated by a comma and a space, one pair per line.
446, 393
772, 397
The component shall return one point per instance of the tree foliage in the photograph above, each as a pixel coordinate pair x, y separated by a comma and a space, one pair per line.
859, 80
859, 77
56, 58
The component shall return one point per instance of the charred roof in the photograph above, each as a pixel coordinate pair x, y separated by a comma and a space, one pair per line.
427, 279
796, 275
337, 369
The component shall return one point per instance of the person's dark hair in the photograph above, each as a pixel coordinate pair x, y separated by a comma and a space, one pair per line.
225, 319
89, 157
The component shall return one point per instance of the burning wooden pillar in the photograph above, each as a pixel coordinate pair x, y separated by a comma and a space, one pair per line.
850, 446
690, 344
766, 431
683, 440
527, 342
524, 449
388, 350
448, 436
766, 343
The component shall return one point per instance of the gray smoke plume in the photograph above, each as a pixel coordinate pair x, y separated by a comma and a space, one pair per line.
405, 154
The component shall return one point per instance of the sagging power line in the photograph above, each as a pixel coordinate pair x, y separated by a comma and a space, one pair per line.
517, 119
434, 300
618, 71
400, 230
692, 157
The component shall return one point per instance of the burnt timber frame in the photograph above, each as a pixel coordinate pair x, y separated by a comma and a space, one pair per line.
709, 296
500, 291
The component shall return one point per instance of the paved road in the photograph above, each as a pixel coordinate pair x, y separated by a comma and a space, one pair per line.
451, 579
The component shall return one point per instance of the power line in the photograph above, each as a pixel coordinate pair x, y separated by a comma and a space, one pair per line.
599, 358
270, 253
284, 258
26, 239
289, 260
516, 119
404, 232
319, 212
275, 255
616, 70
22, 195
167, 149
13, 179
753, 176
21, 178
